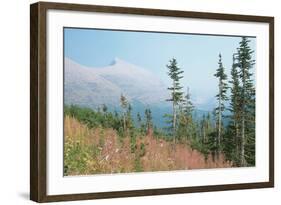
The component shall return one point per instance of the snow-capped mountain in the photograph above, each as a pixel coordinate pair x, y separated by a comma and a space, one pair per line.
134, 81
82, 86
95, 86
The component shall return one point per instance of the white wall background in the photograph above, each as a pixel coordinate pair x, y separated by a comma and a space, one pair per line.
14, 102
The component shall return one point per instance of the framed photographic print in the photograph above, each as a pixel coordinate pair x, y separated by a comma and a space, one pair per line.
134, 102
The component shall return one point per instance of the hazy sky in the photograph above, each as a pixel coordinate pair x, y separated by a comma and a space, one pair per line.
197, 55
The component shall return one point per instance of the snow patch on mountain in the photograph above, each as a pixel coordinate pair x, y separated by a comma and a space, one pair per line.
96, 86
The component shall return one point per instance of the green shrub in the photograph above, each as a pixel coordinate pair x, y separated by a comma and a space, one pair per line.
138, 165
75, 157
133, 142
101, 138
142, 149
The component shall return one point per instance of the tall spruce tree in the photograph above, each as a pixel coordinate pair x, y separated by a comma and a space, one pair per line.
221, 97
139, 119
235, 109
148, 119
212, 141
188, 109
181, 132
203, 128
185, 121
129, 123
124, 105
175, 73
188, 106
206, 124
247, 99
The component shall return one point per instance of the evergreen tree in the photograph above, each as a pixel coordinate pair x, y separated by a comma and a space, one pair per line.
185, 122
247, 100
104, 108
221, 97
188, 108
148, 118
139, 120
175, 73
212, 139
124, 105
129, 121
204, 129
208, 125
188, 105
235, 109
182, 125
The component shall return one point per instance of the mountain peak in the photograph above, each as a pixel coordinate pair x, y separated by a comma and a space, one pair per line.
117, 61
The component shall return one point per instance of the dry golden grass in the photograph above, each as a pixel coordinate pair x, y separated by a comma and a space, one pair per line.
92, 151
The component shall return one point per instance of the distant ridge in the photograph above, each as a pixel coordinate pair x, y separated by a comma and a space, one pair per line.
96, 86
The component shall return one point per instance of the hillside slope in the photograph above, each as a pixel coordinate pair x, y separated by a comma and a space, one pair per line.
93, 151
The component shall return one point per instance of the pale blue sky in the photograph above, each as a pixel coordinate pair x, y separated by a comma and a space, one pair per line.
197, 55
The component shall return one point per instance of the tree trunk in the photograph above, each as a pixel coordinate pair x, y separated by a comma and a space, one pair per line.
204, 135
237, 140
204, 131
243, 163
124, 122
174, 122
174, 115
219, 123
